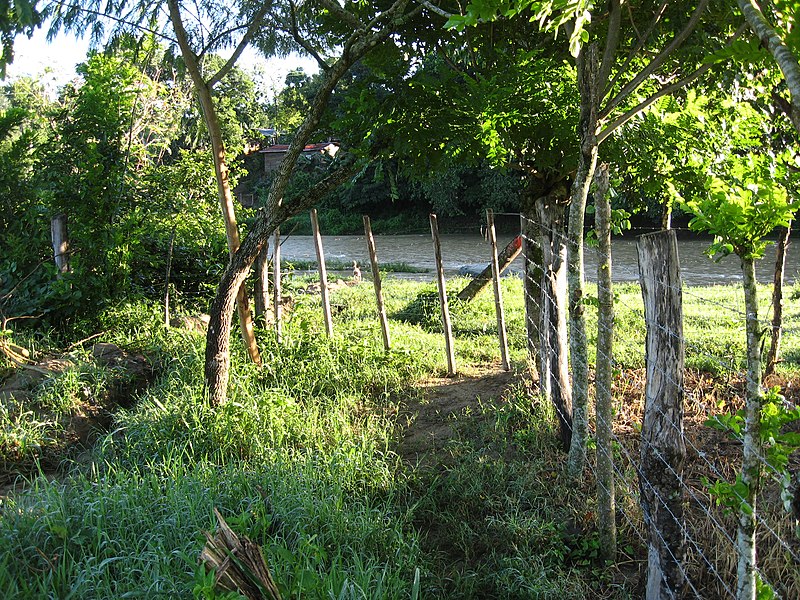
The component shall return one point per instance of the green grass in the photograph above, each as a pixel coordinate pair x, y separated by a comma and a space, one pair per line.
304, 460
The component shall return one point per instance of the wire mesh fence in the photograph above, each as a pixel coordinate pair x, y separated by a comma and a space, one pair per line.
713, 386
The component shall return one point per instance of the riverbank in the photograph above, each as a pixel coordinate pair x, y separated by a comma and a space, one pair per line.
362, 474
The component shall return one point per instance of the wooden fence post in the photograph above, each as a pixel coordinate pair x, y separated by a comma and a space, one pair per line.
276, 285
376, 280
58, 235
261, 298
323, 274
168, 274
498, 294
604, 406
663, 449
448, 329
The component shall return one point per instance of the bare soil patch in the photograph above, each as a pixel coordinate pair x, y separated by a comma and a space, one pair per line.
429, 418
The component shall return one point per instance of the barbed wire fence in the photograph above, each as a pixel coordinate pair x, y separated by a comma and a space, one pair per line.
707, 558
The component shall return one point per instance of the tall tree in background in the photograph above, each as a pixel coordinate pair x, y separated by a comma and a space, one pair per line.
213, 27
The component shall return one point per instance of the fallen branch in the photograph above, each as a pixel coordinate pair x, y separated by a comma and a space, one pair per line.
238, 564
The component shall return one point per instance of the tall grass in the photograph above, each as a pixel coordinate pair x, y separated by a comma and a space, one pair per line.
304, 460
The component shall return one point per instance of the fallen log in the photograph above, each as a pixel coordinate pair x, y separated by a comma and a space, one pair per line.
504, 259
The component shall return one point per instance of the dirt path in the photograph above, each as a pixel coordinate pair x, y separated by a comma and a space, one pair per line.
430, 417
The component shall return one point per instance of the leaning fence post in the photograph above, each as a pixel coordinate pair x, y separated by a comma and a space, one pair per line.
663, 449
323, 274
448, 329
276, 285
498, 294
376, 280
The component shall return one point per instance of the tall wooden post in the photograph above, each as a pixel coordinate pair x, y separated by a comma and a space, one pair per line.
376, 280
58, 235
167, 276
448, 329
261, 296
663, 449
276, 285
323, 274
498, 293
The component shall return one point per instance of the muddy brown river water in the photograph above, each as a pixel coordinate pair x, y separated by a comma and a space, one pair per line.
459, 250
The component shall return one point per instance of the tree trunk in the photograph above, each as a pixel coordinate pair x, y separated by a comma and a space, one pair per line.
663, 449
218, 339
784, 57
554, 382
220, 169
587, 160
603, 372
217, 357
781, 248
752, 458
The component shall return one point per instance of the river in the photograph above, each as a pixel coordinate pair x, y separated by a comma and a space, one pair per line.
459, 250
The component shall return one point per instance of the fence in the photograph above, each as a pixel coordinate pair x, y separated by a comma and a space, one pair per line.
697, 537
663, 498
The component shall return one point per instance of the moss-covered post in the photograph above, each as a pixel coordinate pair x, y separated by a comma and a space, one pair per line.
663, 449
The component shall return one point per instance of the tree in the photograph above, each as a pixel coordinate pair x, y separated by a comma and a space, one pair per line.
215, 26
783, 43
621, 66
739, 208
355, 33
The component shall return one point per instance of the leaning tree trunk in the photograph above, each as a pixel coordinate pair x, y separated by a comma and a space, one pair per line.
217, 367
752, 458
783, 55
587, 160
604, 404
781, 248
554, 381
220, 169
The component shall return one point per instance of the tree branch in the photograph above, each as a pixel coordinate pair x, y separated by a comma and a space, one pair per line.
303, 43
340, 12
662, 56
434, 9
52, 32
660, 93
255, 24
612, 42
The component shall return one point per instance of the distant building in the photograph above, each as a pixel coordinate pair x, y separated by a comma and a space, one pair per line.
273, 155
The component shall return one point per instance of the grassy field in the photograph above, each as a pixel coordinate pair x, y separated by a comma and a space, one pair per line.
311, 458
